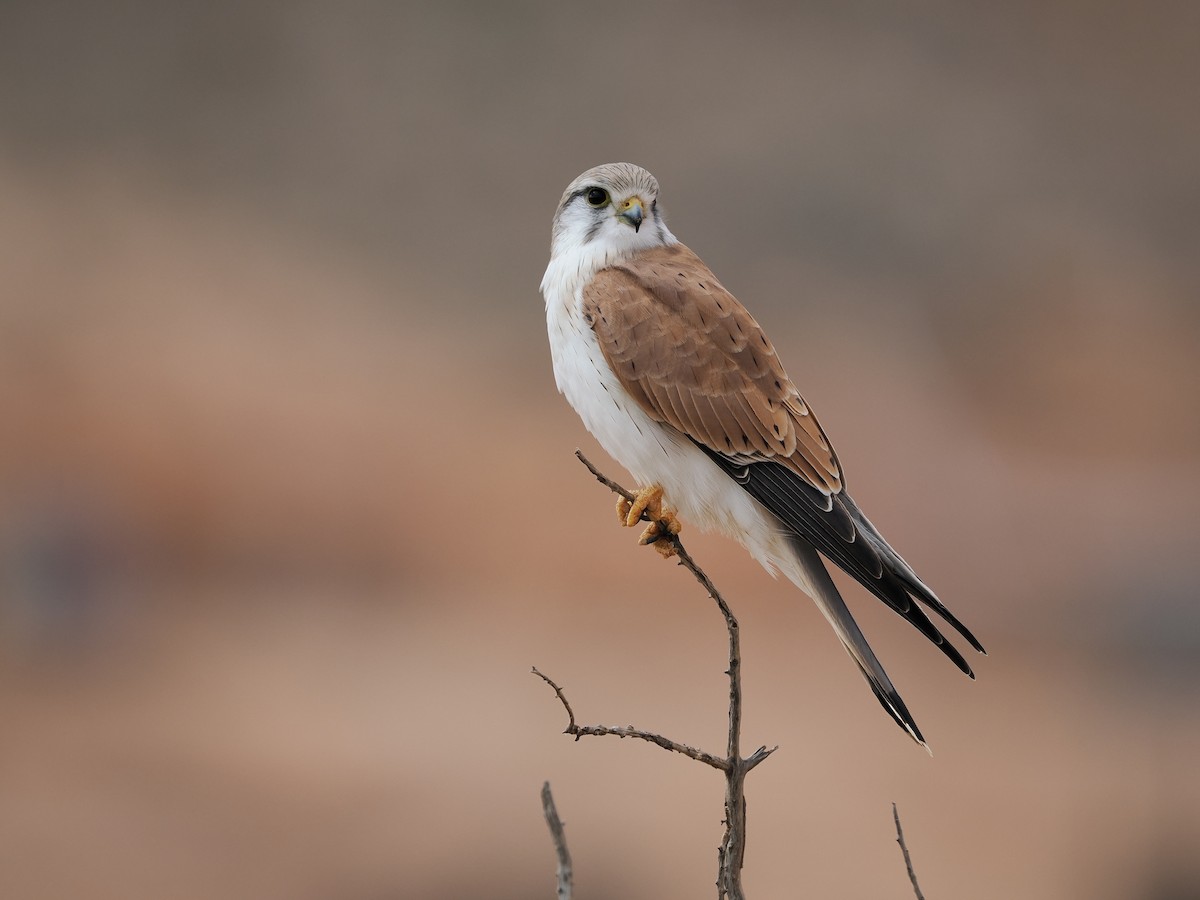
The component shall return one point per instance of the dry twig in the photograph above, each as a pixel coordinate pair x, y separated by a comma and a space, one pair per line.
624, 731
733, 846
564, 873
912, 876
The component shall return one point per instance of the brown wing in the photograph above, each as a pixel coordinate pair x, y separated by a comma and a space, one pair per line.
693, 357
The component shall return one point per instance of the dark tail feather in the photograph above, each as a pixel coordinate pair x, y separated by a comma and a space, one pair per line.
812, 575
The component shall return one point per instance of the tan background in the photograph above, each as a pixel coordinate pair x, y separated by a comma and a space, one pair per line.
287, 501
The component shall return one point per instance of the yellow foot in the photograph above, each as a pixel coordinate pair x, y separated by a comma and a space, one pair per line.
663, 521
648, 500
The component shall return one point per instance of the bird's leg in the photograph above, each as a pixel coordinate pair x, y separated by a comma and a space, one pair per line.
664, 523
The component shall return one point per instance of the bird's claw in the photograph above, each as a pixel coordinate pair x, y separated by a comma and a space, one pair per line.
664, 524
648, 500
661, 541
623, 507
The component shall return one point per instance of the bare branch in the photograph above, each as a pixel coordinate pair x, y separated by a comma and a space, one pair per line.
572, 728
624, 731
912, 876
565, 872
758, 756
733, 845
731, 853
604, 479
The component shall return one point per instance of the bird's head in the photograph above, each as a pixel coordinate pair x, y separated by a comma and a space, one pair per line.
610, 211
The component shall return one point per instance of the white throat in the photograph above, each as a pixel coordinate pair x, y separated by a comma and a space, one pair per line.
574, 259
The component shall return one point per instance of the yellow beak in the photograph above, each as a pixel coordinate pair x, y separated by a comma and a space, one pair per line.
632, 212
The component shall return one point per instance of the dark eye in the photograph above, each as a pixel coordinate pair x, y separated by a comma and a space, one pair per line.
597, 197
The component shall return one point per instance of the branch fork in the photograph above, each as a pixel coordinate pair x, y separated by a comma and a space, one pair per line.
733, 764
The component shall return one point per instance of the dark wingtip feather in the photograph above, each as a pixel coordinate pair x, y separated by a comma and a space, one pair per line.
936, 605
893, 592
926, 596
957, 658
837, 528
907, 576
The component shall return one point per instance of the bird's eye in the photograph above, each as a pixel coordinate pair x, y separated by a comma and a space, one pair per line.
597, 197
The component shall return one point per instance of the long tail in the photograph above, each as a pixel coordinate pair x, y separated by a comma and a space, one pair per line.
808, 572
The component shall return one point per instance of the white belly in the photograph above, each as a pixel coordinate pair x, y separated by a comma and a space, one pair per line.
654, 453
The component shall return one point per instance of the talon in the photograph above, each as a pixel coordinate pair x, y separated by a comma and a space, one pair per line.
623, 510
648, 500
652, 534
664, 524
661, 542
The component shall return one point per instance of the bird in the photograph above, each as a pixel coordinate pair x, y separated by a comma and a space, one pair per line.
679, 384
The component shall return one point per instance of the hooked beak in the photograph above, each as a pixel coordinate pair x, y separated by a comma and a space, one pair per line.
631, 212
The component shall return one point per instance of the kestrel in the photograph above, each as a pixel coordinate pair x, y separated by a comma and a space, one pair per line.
680, 385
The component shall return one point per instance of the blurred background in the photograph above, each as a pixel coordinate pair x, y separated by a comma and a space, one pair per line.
287, 501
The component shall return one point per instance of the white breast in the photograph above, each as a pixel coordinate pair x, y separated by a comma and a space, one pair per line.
584, 377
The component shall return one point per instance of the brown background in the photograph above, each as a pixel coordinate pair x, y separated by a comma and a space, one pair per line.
287, 501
